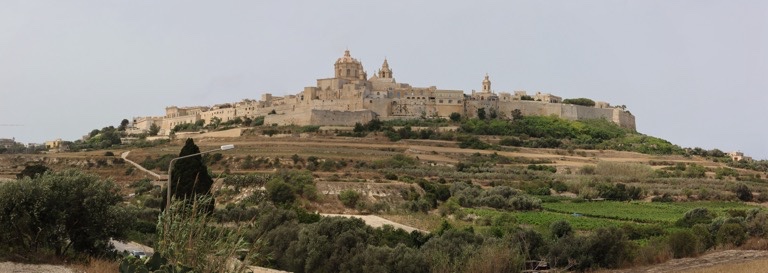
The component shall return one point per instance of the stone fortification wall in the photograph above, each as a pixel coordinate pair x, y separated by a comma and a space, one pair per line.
566, 111
299, 116
338, 104
624, 119
532, 108
320, 117
341, 118
474, 105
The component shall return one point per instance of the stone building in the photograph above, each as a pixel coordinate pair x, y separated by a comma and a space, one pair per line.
350, 96
739, 156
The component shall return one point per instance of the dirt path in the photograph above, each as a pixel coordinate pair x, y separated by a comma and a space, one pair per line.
33, 268
124, 155
724, 260
375, 221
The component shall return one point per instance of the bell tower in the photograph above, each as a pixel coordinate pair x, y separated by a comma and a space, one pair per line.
385, 72
486, 84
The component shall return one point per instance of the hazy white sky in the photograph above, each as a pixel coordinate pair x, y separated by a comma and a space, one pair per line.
692, 72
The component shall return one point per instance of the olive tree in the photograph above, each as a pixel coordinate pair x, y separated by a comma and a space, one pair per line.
61, 211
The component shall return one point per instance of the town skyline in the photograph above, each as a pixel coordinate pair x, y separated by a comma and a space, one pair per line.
690, 72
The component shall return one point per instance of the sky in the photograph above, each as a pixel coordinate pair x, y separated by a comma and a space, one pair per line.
692, 72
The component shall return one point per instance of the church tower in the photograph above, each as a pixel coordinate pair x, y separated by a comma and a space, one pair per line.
486, 84
385, 72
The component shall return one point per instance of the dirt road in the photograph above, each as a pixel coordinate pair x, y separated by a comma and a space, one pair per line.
727, 260
125, 157
375, 221
33, 268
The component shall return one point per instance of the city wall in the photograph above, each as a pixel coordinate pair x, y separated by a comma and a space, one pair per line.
341, 118
566, 111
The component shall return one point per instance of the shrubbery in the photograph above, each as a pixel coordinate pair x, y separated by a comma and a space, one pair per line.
349, 198
59, 212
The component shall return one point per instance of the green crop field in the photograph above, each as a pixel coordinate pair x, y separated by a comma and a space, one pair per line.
541, 220
587, 216
641, 212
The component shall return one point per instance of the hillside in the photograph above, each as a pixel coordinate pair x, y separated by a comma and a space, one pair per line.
468, 182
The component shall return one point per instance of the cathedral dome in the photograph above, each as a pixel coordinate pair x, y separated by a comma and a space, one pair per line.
347, 58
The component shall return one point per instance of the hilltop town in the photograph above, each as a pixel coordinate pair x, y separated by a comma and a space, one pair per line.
350, 97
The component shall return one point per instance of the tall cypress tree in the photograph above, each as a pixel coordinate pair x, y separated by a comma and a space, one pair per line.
189, 178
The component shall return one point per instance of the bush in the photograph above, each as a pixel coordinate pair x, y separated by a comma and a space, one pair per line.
186, 237
683, 244
309, 129
743, 192
545, 168
757, 223
511, 141
349, 198
561, 228
580, 101
619, 192
280, 192
142, 186
525, 202
455, 117
731, 234
32, 171
473, 142
696, 216
608, 247
587, 170
61, 211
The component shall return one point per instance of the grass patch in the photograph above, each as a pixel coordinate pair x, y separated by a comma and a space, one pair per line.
641, 212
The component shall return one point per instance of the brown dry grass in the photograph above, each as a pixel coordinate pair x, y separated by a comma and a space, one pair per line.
755, 266
97, 266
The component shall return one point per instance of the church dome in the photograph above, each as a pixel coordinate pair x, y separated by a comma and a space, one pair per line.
347, 58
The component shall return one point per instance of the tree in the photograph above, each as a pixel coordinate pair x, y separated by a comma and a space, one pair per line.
280, 192
154, 129
214, 123
455, 117
349, 198
696, 216
561, 228
493, 113
481, 113
190, 176
683, 244
517, 114
731, 233
743, 192
123, 124
580, 101
32, 171
62, 211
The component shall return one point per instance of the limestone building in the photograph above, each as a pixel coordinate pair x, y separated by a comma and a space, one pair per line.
350, 96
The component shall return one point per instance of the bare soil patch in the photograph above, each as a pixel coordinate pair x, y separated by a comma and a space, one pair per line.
33, 268
723, 261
